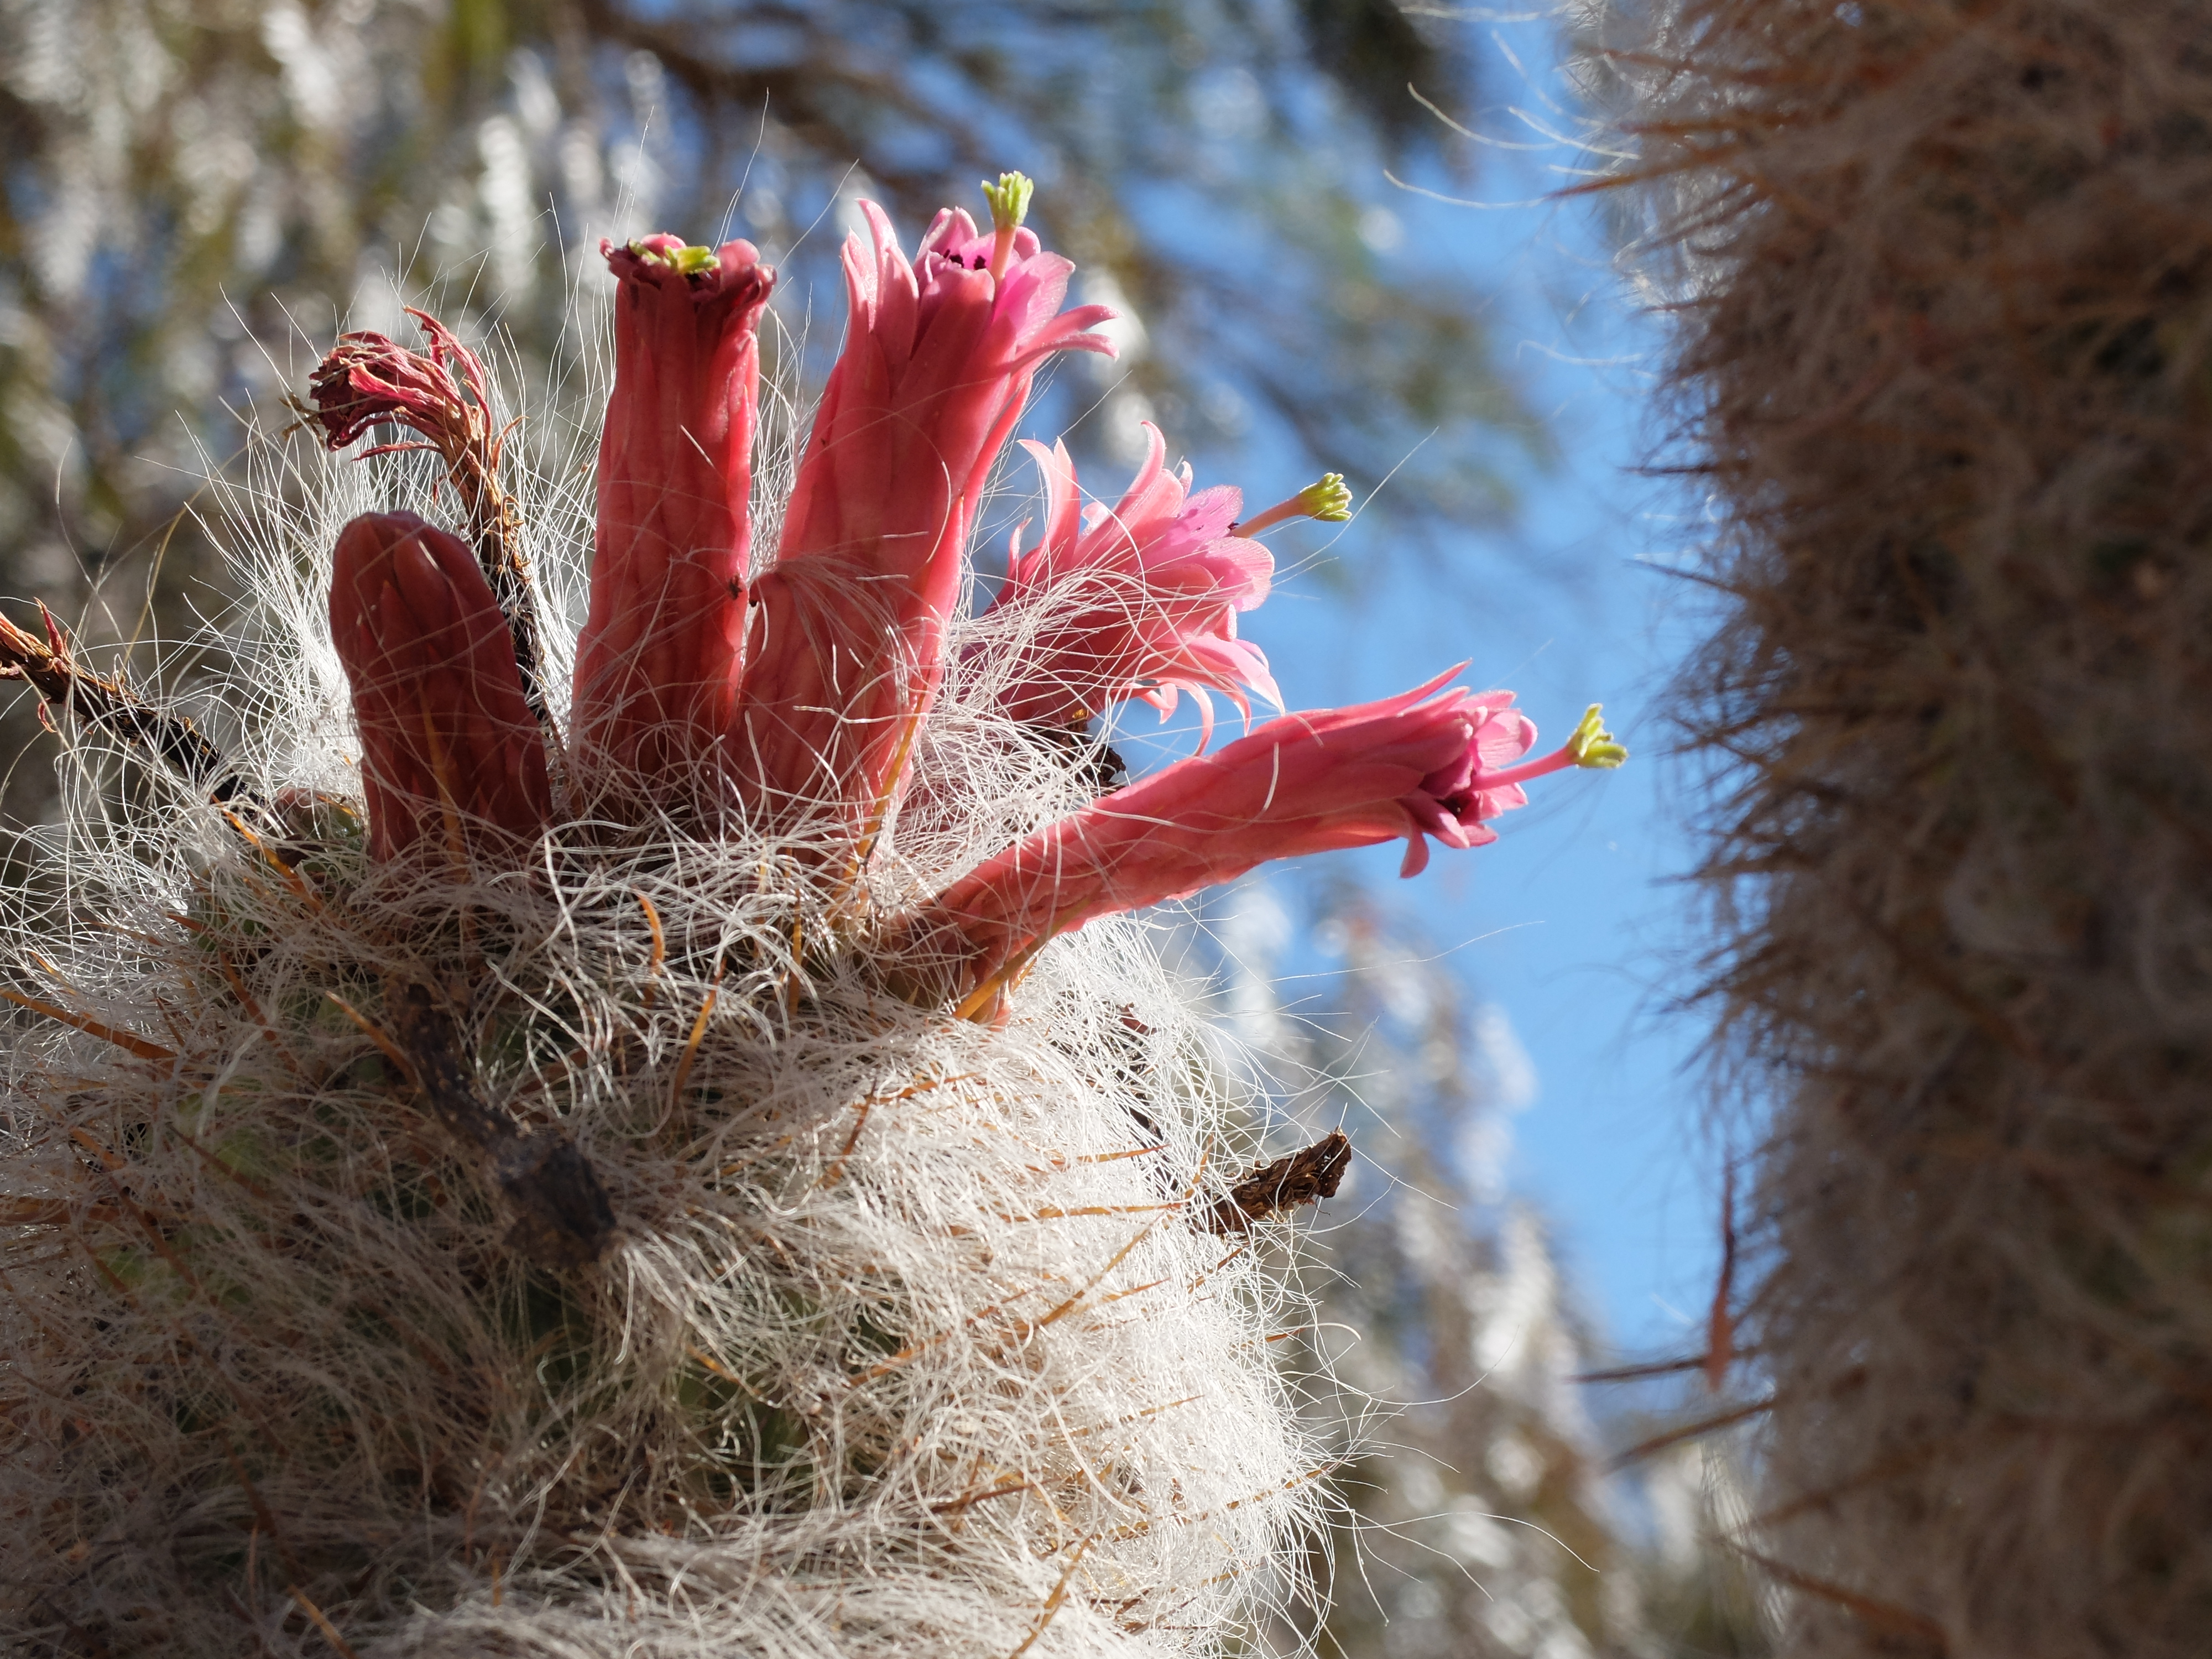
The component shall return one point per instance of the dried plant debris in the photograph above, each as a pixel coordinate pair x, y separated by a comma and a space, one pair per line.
1305, 1176
52, 669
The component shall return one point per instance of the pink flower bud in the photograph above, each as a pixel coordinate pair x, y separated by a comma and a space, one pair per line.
450, 757
1410, 766
938, 362
1138, 602
658, 663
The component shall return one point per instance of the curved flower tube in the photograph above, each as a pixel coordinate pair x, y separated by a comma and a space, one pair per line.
450, 757
1140, 601
849, 651
658, 660
1414, 766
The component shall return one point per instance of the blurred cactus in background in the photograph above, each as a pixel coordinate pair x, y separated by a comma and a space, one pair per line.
1939, 273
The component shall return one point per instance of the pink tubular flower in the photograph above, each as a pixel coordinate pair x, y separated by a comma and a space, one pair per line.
1413, 766
450, 757
658, 660
1138, 602
938, 362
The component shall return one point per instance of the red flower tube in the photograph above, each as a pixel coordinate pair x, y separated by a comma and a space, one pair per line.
938, 362
450, 757
1413, 766
659, 660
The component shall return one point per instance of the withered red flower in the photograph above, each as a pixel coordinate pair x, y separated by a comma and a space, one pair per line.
442, 394
368, 379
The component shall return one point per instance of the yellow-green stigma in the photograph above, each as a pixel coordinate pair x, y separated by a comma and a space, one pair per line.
1592, 745
1010, 200
685, 261
1329, 499
1010, 205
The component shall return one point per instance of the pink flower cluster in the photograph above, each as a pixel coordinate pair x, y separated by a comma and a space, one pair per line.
791, 699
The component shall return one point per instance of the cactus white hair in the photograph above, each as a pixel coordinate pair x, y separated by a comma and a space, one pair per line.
904, 1339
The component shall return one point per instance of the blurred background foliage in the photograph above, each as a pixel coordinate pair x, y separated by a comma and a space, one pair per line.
200, 194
